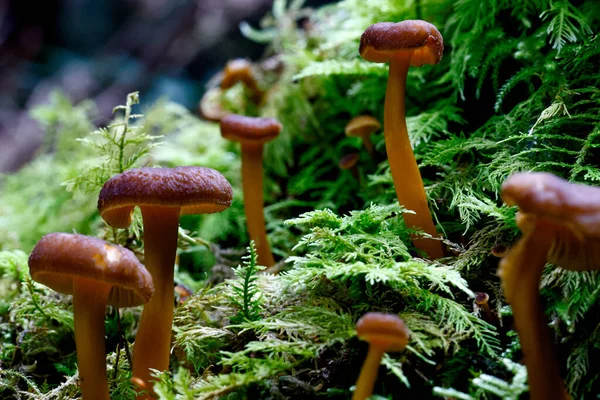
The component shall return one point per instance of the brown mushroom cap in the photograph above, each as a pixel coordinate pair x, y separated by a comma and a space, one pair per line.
569, 212
197, 190
481, 298
349, 160
384, 330
240, 128
362, 125
58, 258
382, 40
238, 70
499, 250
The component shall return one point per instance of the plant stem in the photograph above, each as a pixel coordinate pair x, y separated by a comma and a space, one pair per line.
521, 271
89, 303
153, 340
252, 185
368, 374
405, 171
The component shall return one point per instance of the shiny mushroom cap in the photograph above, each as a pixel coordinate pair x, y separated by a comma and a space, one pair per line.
59, 258
349, 160
239, 128
417, 38
568, 212
238, 70
362, 125
197, 190
383, 330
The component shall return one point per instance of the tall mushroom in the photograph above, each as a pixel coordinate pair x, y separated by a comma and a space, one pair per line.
560, 222
384, 332
163, 194
404, 44
362, 126
96, 273
253, 133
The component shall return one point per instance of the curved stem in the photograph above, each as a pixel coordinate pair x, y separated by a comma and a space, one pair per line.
252, 184
521, 271
405, 171
368, 374
153, 341
89, 303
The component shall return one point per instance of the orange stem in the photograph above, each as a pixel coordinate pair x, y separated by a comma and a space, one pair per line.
368, 373
252, 185
405, 171
89, 303
521, 271
153, 341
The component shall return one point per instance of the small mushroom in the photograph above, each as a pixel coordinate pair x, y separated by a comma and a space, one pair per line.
481, 302
362, 127
163, 194
240, 70
560, 222
210, 105
404, 44
499, 250
348, 162
253, 133
384, 332
96, 273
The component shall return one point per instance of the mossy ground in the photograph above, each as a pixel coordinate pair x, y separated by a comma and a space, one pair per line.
517, 89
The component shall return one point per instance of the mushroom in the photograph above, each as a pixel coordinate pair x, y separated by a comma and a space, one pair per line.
240, 70
210, 105
96, 273
253, 133
560, 222
348, 162
499, 250
163, 194
481, 302
362, 127
384, 332
404, 44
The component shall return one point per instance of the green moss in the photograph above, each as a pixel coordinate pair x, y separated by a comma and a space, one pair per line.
517, 89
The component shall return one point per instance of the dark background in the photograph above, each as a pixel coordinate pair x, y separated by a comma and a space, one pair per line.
104, 49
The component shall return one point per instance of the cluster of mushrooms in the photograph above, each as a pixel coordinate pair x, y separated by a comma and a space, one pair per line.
559, 220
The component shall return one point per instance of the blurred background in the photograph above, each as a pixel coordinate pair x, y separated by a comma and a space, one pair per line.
103, 50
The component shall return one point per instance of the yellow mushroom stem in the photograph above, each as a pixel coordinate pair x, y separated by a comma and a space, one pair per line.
405, 171
89, 304
368, 373
252, 185
521, 271
153, 339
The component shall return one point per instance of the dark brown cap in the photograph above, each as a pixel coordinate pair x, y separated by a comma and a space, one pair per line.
569, 212
349, 160
383, 330
58, 258
382, 40
362, 125
481, 298
240, 128
197, 190
499, 250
